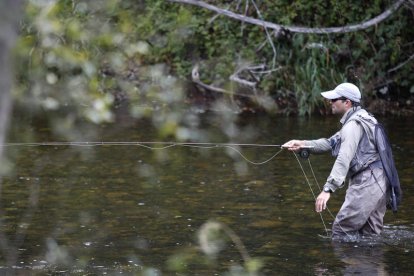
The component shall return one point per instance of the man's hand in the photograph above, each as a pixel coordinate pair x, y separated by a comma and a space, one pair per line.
294, 145
321, 201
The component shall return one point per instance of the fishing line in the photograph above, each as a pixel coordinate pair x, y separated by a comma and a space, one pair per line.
317, 183
313, 174
320, 189
310, 187
151, 146
232, 146
119, 143
252, 162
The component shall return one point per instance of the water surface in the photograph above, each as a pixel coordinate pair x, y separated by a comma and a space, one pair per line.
113, 209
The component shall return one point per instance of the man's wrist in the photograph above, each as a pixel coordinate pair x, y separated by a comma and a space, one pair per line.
326, 189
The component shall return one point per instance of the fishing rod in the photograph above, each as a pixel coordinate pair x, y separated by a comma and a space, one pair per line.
82, 143
304, 151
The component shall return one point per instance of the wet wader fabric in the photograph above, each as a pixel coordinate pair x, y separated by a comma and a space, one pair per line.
365, 205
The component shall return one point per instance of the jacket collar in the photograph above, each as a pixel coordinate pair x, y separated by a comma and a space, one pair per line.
349, 113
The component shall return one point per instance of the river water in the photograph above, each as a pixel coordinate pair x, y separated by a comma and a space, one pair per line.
132, 210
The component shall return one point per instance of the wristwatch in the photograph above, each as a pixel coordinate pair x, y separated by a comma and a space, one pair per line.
327, 190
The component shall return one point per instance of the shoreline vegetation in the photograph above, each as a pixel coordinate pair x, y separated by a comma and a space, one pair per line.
385, 101
268, 56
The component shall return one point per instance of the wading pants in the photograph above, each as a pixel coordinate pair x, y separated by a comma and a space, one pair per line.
365, 205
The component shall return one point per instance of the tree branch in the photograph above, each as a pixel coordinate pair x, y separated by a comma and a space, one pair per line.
195, 76
401, 64
267, 35
296, 29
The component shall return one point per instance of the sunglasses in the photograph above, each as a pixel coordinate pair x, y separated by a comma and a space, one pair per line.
339, 99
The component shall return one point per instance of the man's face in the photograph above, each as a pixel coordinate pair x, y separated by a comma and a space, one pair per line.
340, 106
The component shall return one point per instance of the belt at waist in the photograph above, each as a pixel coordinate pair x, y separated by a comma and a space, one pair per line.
373, 165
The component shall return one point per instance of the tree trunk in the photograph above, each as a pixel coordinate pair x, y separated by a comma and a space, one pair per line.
10, 11
9, 19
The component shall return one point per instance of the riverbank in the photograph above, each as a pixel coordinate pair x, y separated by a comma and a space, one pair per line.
206, 101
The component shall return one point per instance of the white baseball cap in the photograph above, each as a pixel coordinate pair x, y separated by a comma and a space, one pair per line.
346, 90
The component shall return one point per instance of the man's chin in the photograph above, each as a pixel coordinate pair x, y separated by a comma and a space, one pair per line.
337, 112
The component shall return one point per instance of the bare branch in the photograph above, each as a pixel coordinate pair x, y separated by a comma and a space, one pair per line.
252, 72
401, 64
296, 29
246, 9
195, 75
196, 79
267, 35
246, 75
236, 78
409, 4
217, 15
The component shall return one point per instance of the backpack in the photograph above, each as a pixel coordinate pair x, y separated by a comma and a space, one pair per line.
384, 150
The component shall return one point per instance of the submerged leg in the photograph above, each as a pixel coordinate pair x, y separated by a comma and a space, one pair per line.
364, 206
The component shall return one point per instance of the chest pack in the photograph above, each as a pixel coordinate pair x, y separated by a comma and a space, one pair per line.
384, 150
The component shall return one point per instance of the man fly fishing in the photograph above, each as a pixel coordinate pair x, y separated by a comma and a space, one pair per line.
364, 155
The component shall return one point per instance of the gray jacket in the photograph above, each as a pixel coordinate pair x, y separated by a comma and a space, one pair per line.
353, 146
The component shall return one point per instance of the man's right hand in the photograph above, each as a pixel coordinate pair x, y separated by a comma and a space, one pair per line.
294, 145
321, 201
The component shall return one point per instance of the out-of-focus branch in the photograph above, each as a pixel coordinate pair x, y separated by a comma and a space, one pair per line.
10, 11
295, 29
247, 76
401, 64
195, 75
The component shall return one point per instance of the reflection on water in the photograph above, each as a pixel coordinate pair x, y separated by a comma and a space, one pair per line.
359, 258
125, 209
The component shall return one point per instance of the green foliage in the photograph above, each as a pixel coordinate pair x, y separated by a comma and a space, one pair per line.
307, 68
212, 239
80, 57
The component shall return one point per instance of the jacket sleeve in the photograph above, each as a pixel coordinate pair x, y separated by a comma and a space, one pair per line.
350, 135
321, 145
